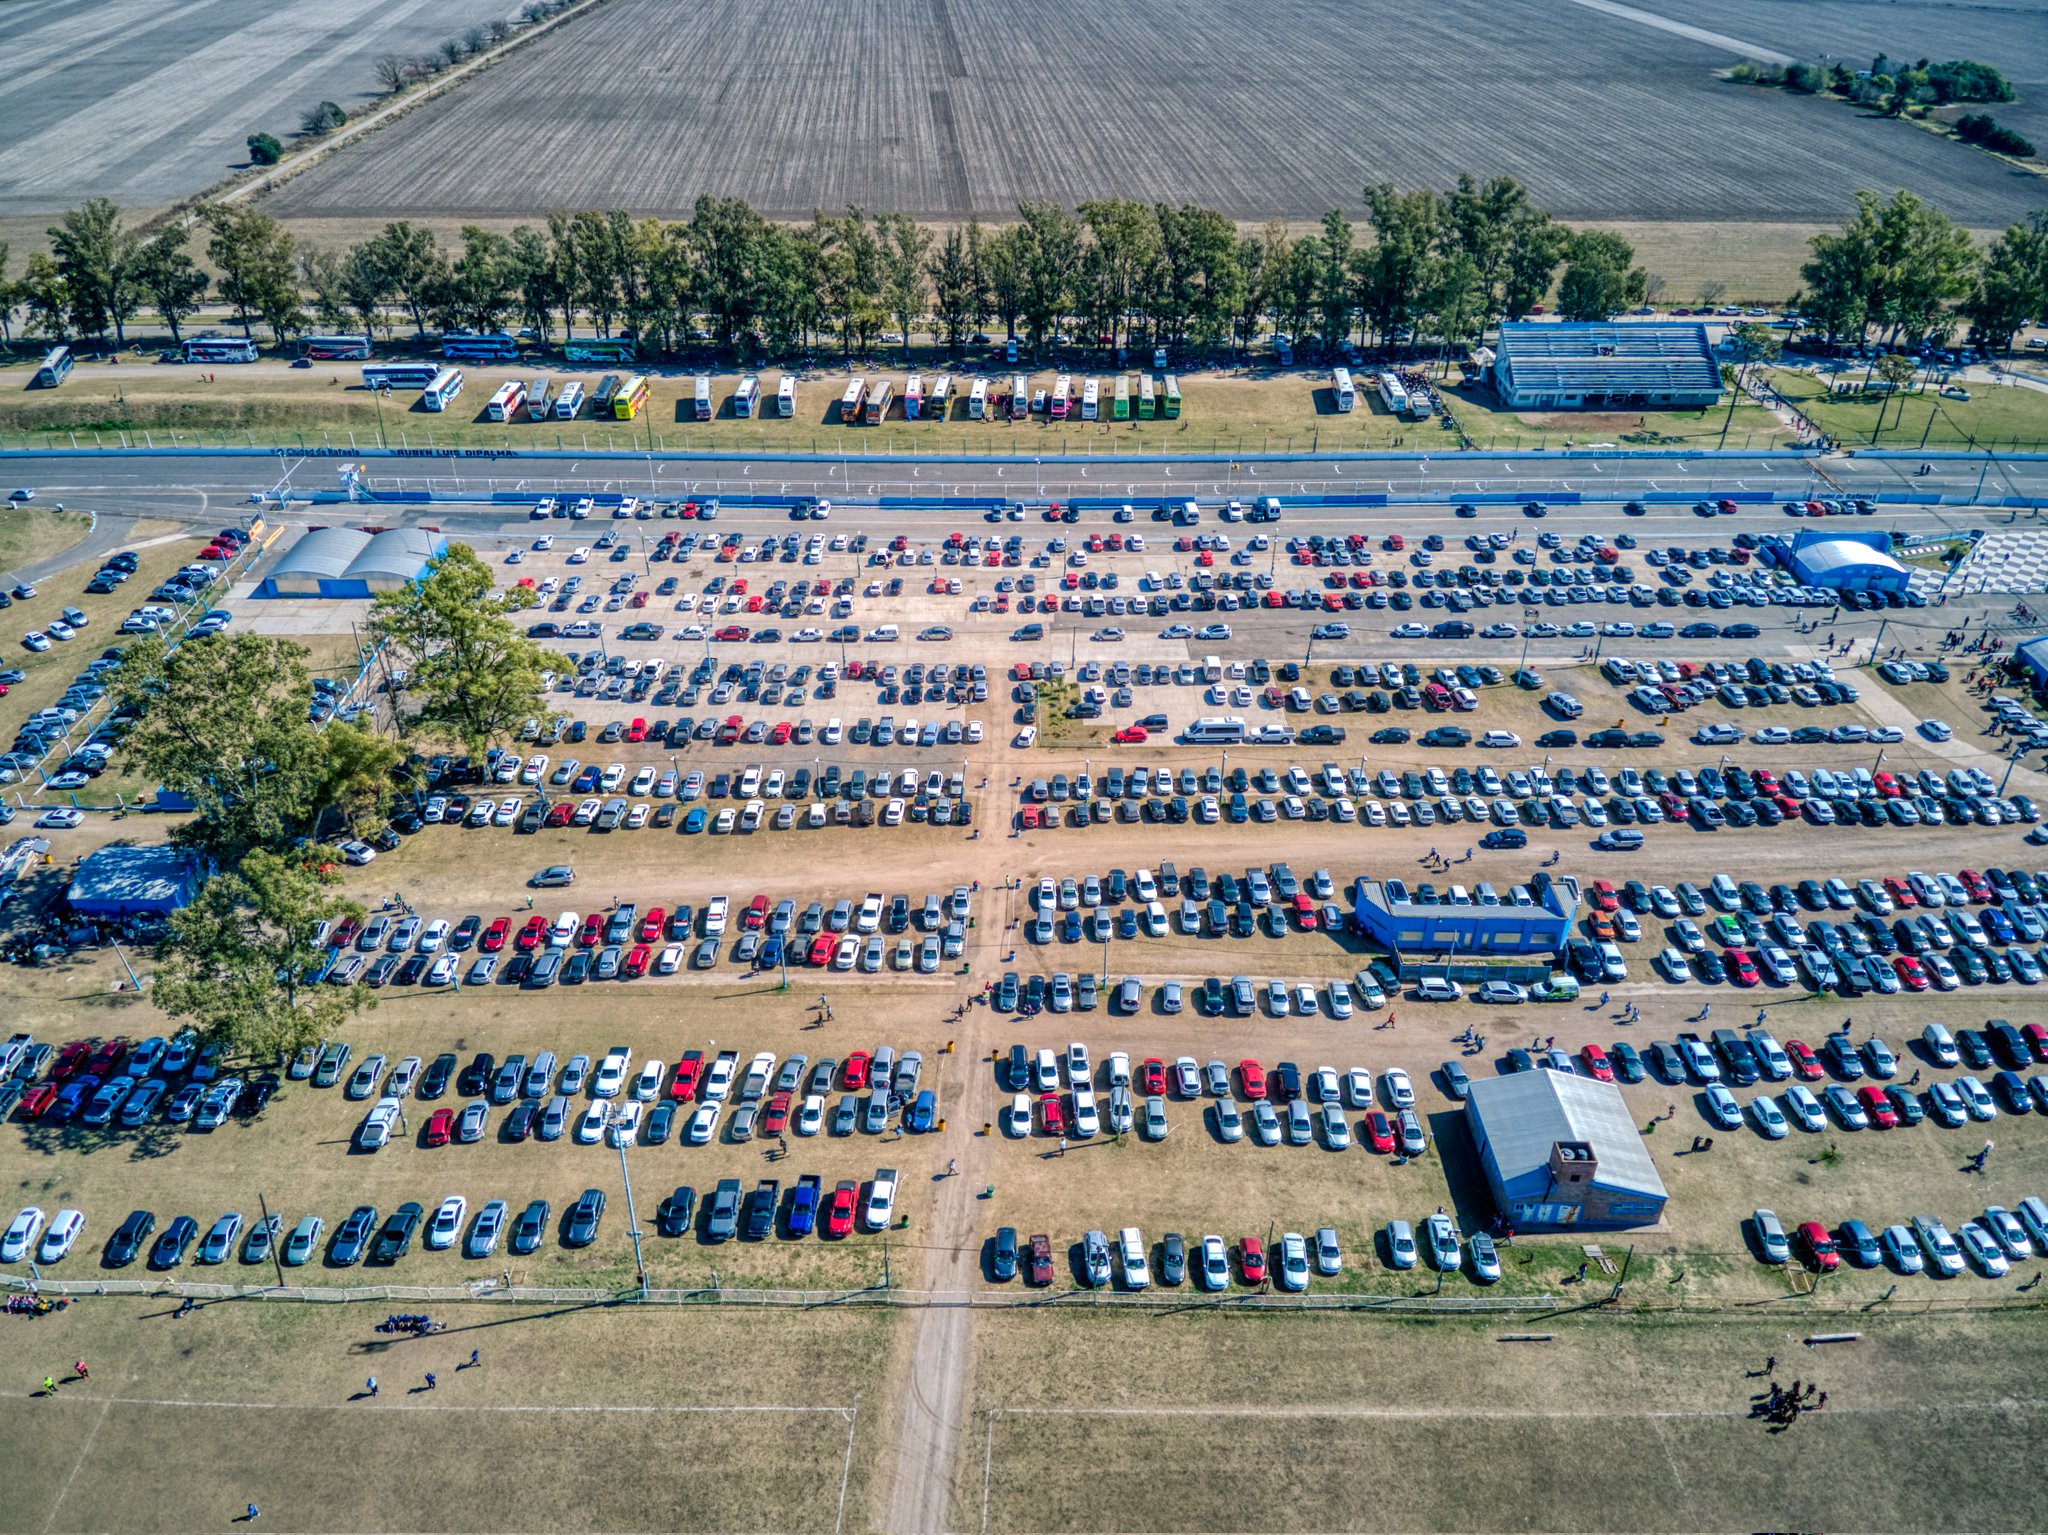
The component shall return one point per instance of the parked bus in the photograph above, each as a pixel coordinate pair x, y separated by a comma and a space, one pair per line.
1419, 403
504, 404
1056, 402
220, 349
487, 346
876, 408
849, 402
1170, 407
746, 399
539, 399
1392, 395
700, 399
569, 401
785, 397
1020, 397
1148, 398
1091, 400
601, 401
55, 367
913, 397
441, 393
335, 348
941, 396
630, 399
977, 401
1340, 385
1120, 409
400, 375
600, 349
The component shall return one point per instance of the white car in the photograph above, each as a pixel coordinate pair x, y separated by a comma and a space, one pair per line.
1212, 1270
375, 1131
1017, 1116
1027, 736
590, 1125
57, 1241
61, 819
610, 1080
446, 1224
648, 1083
22, 1232
1936, 730
1399, 1091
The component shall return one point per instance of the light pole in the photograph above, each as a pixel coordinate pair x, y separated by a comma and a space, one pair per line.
633, 1222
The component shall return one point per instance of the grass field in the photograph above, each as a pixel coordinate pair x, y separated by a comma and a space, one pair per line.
925, 112
29, 534
2012, 417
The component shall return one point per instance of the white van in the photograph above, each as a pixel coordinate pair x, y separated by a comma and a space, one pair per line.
1130, 1251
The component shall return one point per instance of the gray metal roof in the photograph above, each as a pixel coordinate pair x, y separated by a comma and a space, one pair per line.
1627, 359
120, 880
1844, 554
322, 554
1529, 1112
397, 554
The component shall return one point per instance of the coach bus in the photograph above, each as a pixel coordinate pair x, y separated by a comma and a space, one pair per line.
1091, 400
913, 396
849, 402
1056, 402
631, 398
220, 349
1393, 395
1170, 406
441, 393
1020, 397
55, 367
1148, 398
1341, 386
746, 397
700, 398
1120, 409
600, 349
785, 397
540, 399
335, 348
400, 375
601, 401
504, 405
977, 401
941, 396
875, 410
569, 401
490, 346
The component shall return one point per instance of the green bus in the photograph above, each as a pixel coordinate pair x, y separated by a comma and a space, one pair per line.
1172, 408
1120, 408
1148, 398
600, 349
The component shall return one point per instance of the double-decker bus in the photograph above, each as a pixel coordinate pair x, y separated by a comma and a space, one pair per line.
55, 367
488, 346
540, 402
630, 399
335, 348
785, 397
505, 403
400, 375
849, 402
569, 401
601, 398
746, 397
601, 349
218, 349
441, 393
876, 408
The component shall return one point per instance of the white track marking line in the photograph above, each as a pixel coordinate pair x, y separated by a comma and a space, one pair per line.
594, 1407
84, 1450
1311, 1411
988, 1460
846, 1472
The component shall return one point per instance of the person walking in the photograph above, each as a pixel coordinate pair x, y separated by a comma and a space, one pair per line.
49, 1385
1771, 1367
371, 1384
1984, 1155
474, 1361
1063, 1145
250, 1516
81, 1371
430, 1380
952, 1166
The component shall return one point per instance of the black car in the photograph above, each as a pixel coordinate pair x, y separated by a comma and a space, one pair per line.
579, 1225
395, 1239
760, 1209
529, 1230
434, 1080
724, 1217
1173, 1259
476, 1076
1002, 1262
257, 1093
170, 1248
127, 1239
352, 1235
673, 1218
519, 1123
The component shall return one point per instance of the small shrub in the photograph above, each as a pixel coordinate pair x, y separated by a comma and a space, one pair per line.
1807, 79
1967, 80
324, 118
264, 149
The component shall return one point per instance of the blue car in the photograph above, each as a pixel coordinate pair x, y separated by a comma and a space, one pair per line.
694, 819
771, 953
923, 1112
803, 1205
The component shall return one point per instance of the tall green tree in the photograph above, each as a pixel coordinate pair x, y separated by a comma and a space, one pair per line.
1333, 288
1006, 260
2011, 286
905, 247
1897, 264
242, 963
168, 277
1262, 261
953, 295
409, 260
1394, 274
43, 293
258, 275
1052, 265
481, 283
1599, 278
471, 675
1121, 261
731, 242
95, 252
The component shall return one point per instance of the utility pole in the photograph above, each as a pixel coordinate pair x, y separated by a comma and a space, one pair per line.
633, 1222
275, 1264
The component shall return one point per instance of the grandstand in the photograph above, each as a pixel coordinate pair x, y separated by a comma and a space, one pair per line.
1605, 367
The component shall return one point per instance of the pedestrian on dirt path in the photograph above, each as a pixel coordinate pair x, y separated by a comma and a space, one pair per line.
952, 1166
1063, 1145
371, 1383
250, 1516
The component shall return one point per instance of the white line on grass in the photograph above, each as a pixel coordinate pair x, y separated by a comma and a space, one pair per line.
84, 1450
846, 1472
988, 1461
2009, 1404
593, 1407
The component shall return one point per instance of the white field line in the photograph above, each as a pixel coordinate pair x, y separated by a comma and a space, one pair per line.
988, 1460
84, 1450
1755, 51
595, 1408
2009, 1404
846, 1472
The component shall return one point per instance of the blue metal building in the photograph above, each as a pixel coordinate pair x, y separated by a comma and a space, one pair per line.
1534, 918
1563, 1152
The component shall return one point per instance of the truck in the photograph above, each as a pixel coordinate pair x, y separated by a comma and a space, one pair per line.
1737, 1056
761, 1203
1699, 1060
803, 1204
1039, 1270
723, 1220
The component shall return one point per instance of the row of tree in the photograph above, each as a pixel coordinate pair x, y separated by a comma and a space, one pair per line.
1431, 268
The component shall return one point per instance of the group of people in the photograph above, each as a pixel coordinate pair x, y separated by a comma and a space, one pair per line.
1783, 1405
1439, 863
411, 1324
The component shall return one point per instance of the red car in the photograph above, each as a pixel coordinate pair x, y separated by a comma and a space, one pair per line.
822, 948
637, 731
107, 1057
1741, 968
1038, 1260
651, 924
2037, 1039
559, 814
591, 931
1251, 1080
494, 936
1911, 973
440, 1127
683, 1085
636, 961
776, 1120
780, 735
344, 933
839, 1208
1978, 886
730, 632
755, 914
532, 935
1597, 1066
70, 1059
1820, 1247
1379, 1131
37, 1100
1052, 1113
1602, 895
1152, 1077
1130, 735
1879, 1107
1251, 1260
1900, 892
1805, 1064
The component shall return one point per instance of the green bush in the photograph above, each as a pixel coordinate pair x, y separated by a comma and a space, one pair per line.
264, 149
1808, 79
324, 118
1982, 128
1967, 80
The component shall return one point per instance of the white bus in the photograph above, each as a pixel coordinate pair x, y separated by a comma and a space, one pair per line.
1420, 404
335, 348
441, 393
1020, 397
539, 399
55, 367
913, 396
1340, 385
485, 346
746, 398
977, 401
569, 401
504, 404
785, 397
701, 397
1216, 730
1091, 400
1392, 395
220, 349
941, 396
1056, 402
